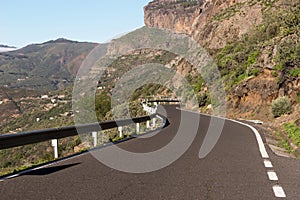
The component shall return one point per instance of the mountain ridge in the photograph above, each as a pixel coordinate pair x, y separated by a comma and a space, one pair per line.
6, 46
46, 66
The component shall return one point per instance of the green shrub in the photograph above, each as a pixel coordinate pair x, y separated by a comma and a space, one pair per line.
252, 58
274, 73
118, 138
288, 55
286, 145
198, 85
295, 72
254, 72
281, 106
293, 131
228, 12
279, 67
203, 99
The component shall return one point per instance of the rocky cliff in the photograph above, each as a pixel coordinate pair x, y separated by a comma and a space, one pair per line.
254, 42
201, 18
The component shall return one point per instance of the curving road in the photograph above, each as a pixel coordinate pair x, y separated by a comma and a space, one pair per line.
233, 170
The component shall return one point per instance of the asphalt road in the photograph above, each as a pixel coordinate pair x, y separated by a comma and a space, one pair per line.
233, 170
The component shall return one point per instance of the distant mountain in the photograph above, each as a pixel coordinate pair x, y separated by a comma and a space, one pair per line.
44, 67
5, 48
60, 40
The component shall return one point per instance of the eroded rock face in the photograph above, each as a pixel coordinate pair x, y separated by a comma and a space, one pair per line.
254, 92
168, 14
292, 89
213, 23
254, 95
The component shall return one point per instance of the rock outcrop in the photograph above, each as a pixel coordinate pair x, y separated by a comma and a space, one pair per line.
215, 23
201, 18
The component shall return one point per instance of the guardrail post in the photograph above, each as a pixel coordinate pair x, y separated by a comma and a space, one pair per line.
148, 124
120, 129
154, 122
95, 136
55, 146
137, 128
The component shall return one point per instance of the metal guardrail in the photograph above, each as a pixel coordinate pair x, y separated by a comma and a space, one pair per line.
164, 100
149, 109
25, 138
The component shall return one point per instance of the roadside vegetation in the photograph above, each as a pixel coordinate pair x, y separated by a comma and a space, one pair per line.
19, 158
293, 131
279, 30
281, 106
273, 46
277, 36
43, 113
289, 138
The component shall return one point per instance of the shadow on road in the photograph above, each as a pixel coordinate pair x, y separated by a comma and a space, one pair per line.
48, 170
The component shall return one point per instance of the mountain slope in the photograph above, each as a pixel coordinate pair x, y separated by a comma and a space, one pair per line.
48, 66
213, 23
255, 45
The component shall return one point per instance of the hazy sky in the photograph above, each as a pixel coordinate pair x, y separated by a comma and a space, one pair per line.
35, 21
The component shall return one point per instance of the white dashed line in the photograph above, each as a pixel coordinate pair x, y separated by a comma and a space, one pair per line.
278, 191
272, 176
268, 164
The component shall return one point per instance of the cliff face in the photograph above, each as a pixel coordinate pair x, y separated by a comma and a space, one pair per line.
256, 49
171, 15
213, 23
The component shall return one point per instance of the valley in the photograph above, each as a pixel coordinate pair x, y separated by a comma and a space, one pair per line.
255, 44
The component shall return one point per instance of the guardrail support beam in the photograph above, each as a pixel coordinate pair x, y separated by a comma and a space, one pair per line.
137, 128
120, 129
55, 147
154, 122
95, 137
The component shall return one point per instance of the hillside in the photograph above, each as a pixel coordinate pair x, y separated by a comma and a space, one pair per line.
43, 67
258, 65
256, 45
212, 23
35, 70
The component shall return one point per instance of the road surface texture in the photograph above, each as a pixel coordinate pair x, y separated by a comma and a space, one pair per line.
233, 170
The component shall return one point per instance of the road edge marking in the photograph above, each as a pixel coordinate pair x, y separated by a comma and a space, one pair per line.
277, 189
